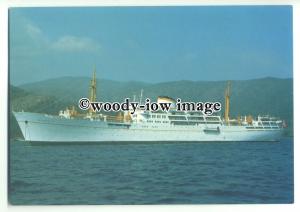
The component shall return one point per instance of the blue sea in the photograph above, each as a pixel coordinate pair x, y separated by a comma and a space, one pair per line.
158, 173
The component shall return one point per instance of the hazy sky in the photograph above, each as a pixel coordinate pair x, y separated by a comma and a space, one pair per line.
151, 44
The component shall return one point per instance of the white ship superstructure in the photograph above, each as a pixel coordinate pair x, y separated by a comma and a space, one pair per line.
146, 126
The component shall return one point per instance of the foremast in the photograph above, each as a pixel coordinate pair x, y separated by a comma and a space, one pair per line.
93, 89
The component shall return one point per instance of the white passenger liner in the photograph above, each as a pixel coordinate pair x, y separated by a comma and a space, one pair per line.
146, 126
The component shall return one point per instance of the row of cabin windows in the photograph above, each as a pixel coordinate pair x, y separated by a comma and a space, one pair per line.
159, 116
184, 118
153, 116
151, 121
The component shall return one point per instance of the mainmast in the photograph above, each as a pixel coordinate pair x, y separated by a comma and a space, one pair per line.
227, 102
141, 97
93, 88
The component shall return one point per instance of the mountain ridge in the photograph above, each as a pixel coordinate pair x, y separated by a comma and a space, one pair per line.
272, 96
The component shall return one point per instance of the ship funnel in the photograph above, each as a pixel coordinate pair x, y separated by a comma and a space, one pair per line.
166, 99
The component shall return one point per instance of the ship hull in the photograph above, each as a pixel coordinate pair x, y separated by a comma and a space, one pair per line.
46, 128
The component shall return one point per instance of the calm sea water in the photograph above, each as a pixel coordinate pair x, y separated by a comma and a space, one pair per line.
173, 173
